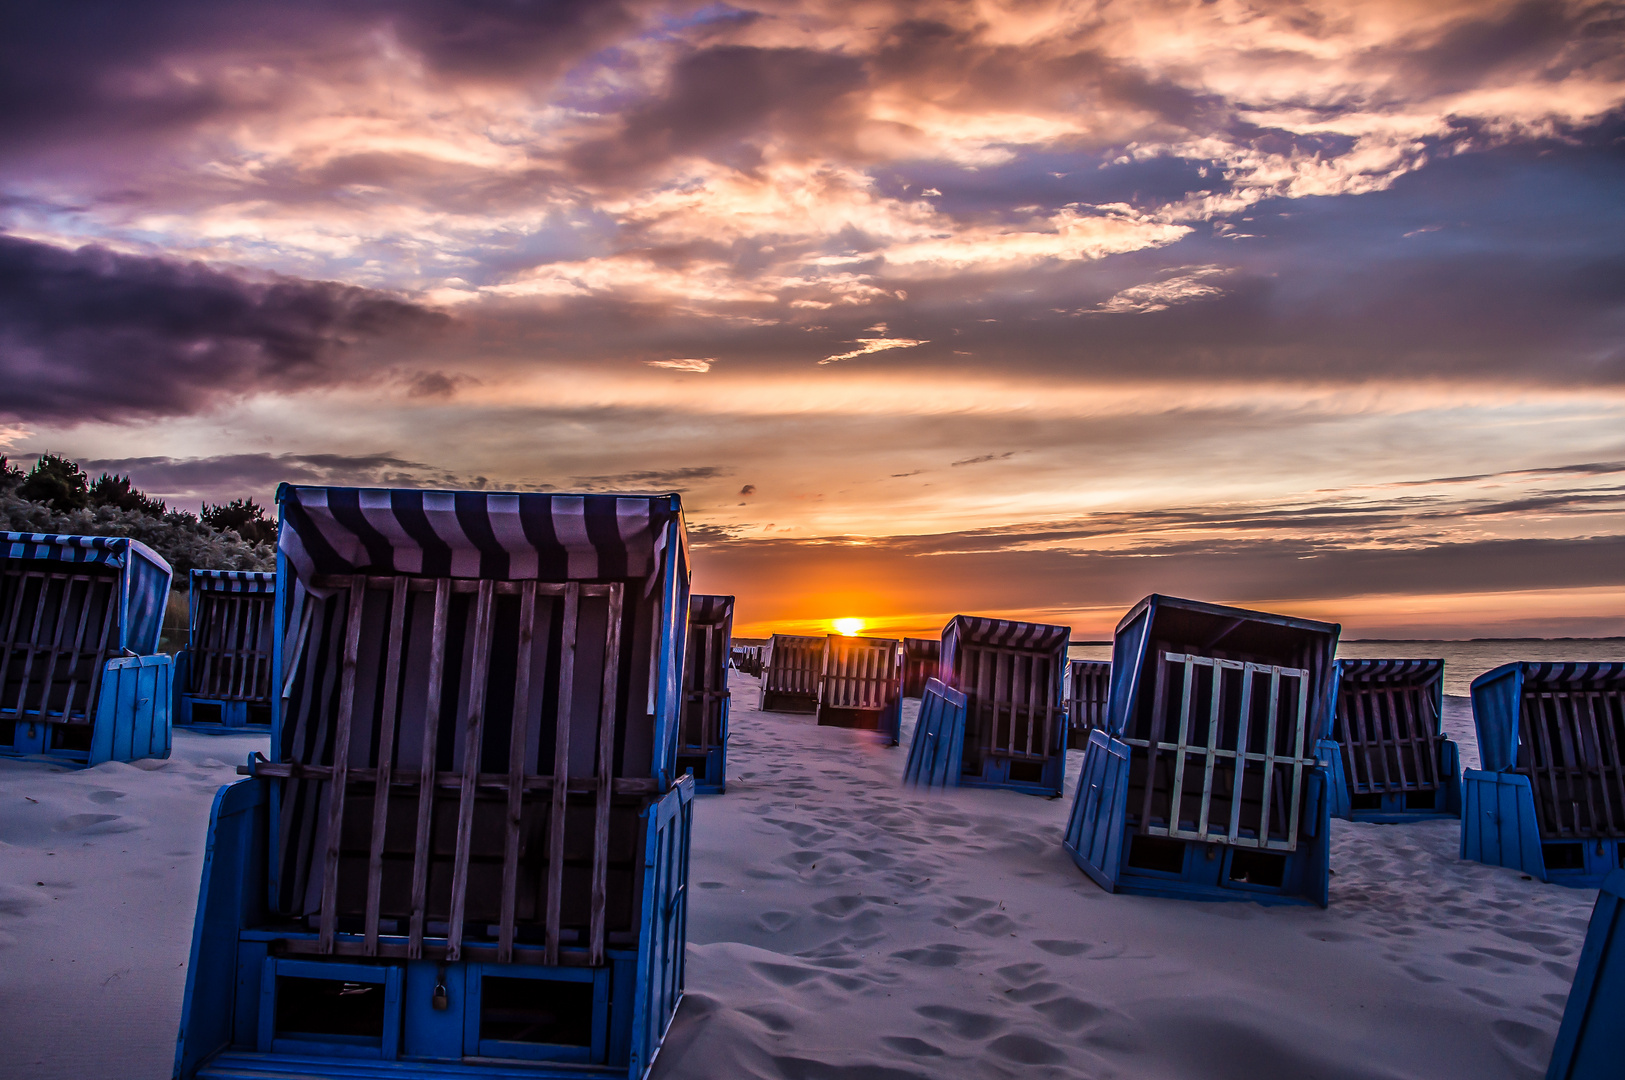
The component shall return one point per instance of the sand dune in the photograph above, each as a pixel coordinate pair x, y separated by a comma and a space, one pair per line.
841, 927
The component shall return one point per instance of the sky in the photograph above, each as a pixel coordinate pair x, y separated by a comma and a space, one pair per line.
1023, 309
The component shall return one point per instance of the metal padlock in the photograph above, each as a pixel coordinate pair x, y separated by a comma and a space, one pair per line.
440, 1000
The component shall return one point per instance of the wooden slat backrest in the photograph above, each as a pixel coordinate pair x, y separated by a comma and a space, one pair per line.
705, 684
1388, 725
858, 673
58, 628
231, 646
1012, 700
794, 665
1571, 745
408, 848
1091, 688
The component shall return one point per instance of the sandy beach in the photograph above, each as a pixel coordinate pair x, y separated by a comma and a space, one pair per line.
841, 926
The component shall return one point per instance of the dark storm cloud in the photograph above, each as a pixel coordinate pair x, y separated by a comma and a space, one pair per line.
112, 69
91, 334
228, 476
723, 96
649, 480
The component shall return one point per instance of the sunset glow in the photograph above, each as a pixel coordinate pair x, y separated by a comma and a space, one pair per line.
848, 627
1004, 308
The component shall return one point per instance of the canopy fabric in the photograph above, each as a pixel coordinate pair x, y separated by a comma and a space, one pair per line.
1498, 700
233, 581
705, 610
974, 630
144, 577
502, 536
1411, 672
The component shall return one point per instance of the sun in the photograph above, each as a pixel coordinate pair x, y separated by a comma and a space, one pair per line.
848, 627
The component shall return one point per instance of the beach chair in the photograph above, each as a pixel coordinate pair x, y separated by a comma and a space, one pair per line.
791, 672
1389, 759
223, 676
1591, 1040
1549, 799
468, 854
921, 659
1202, 783
1011, 674
703, 743
1088, 687
938, 744
861, 685
81, 678
747, 660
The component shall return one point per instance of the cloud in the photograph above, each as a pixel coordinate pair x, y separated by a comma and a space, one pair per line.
1161, 295
650, 479
865, 346
748, 489
697, 365
228, 476
980, 460
92, 334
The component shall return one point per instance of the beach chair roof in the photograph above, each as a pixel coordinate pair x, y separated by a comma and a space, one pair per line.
975, 630
1498, 693
144, 577
705, 609
233, 581
502, 536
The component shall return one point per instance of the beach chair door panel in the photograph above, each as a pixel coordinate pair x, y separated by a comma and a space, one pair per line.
1570, 745
1225, 759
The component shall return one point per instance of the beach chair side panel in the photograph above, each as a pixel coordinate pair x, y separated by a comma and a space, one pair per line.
1089, 691
938, 743
1095, 830
1591, 1040
703, 726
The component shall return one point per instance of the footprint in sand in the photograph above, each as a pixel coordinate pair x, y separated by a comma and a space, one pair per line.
1021, 974
1063, 948
839, 907
943, 956
106, 796
1068, 1013
1026, 1050
1035, 992
913, 1047
963, 1023
774, 921
95, 824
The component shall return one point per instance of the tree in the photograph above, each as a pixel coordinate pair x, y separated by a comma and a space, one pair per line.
244, 516
118, 491
56, 482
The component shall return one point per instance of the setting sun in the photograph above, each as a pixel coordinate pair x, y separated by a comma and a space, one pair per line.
848, 627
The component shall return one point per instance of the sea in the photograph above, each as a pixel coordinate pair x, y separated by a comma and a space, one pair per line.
1464, 661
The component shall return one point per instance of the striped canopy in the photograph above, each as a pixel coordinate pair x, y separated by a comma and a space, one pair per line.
975, 630
707, 610
233, 581
502, 536
1498, 700
144, 577
1406, 672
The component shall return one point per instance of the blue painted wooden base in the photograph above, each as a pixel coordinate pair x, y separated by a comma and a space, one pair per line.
212, 716
1030, 778
708, 768
886, 723
1397, 808
1102, 842
131, 719
608, 1021
1499, 827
